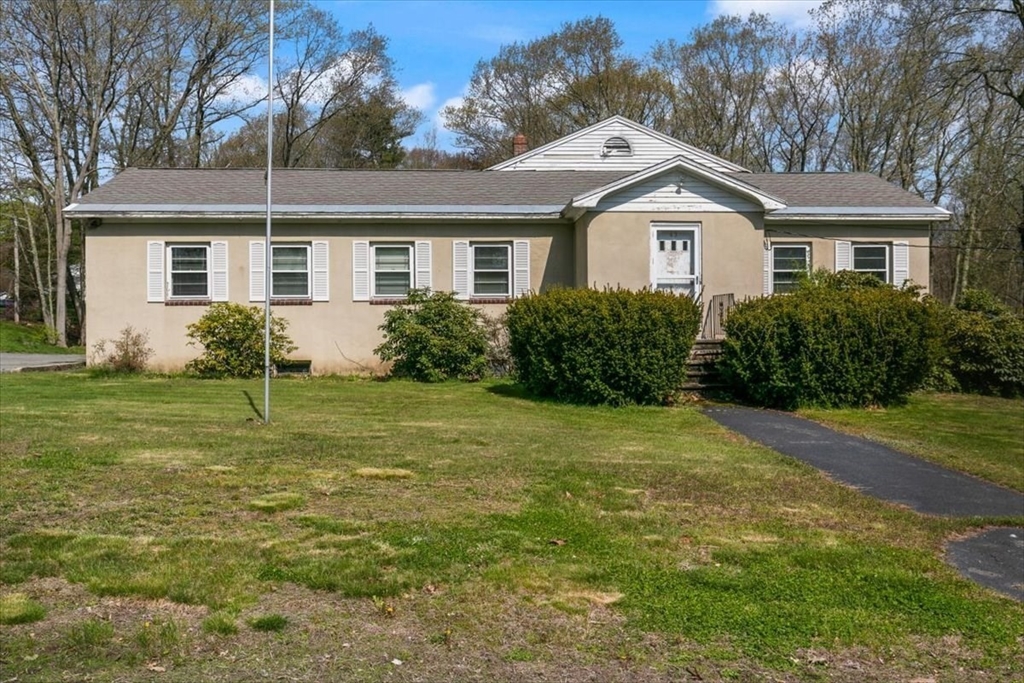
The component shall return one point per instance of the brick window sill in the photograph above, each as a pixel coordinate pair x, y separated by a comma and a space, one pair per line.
392, 301
188, 302
291, 302
490, 299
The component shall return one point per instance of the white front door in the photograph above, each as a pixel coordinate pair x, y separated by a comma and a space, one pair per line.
675, 257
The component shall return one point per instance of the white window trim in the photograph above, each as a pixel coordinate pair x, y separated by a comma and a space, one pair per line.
170, 271
309, 270
510, 271
807, 261
888, 259
373, 269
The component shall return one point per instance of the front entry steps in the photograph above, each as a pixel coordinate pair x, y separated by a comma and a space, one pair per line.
701, 371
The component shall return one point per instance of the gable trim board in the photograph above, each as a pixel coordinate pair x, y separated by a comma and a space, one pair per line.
592, 200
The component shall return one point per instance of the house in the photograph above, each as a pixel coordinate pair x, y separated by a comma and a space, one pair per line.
615, 204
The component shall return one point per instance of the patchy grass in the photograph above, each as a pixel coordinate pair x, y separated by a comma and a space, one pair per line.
269, 622
535, 541
30, 338
382, 473
17, 608
980, 435
277, 502
220, 623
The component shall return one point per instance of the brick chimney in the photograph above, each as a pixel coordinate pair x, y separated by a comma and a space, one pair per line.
519, 145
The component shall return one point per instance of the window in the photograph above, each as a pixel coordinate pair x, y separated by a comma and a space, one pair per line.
491, 265
189, 271
392, 269
616, 147
788, 262
872, 259
290, 271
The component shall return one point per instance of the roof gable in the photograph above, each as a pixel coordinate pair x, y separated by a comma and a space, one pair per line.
717, 191
587, 149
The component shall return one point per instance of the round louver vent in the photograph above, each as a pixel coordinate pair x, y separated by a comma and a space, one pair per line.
616, 147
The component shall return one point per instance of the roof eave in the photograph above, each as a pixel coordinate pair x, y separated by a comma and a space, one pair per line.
316, 213
892, 214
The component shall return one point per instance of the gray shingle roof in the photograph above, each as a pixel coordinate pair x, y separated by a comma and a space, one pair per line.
415, 191
330, 187
834, 190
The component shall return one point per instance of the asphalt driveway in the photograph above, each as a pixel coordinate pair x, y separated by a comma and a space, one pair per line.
18, 362
994, 558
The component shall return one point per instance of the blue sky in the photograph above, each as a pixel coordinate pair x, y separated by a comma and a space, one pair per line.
436, 44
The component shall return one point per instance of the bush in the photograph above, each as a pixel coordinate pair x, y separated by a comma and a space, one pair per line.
984, 347
839, 340
128, 353
602, 347
432, 337
232, 339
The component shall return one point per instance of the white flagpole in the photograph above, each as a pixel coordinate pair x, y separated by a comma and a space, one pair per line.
266, 246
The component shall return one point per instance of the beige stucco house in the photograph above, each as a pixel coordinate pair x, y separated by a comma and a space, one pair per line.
615, 204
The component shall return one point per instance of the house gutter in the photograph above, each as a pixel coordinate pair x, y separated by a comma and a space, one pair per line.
832, 214
240, 212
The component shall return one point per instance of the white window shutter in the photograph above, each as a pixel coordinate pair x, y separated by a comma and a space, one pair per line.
423, 267
321, 265
219, 271
767, 283
155, 272
843, 256
521, 261
900, 263
460, 269
257, 271
360, 271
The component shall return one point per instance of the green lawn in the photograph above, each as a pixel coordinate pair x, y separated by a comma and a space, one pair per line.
979, 435
29, 338
463, 531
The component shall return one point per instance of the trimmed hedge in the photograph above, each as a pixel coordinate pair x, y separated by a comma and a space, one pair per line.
432, 337
611, 347
984, 346
840, 340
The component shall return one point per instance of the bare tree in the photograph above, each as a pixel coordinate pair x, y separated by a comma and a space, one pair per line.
552, 86
68, 68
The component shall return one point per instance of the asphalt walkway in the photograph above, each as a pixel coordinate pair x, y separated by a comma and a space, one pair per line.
994, 558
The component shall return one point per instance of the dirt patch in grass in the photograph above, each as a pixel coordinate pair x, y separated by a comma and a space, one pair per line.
277, 502
383, 473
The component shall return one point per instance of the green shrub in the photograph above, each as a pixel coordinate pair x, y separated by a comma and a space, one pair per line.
432, 337
839, 340
602, 347
232, 339
984, 347
128, 353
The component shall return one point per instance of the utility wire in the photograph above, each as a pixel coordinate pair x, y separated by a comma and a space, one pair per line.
875, 241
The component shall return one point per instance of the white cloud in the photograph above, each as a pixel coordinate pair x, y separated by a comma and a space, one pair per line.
244, 89
420, 96
793, 12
